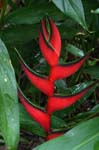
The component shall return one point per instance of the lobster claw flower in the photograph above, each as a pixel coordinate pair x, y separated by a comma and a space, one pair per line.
41, 83
39, 116
56, 103
50, 43
63, 71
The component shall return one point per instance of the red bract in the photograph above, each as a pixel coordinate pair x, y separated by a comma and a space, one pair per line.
41, 83
60, 102
62, 71
39, 116
50, 43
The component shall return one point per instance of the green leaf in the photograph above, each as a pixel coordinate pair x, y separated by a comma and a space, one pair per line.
89, 114
61, 84
19, 34
68, 29
93, 71
73, 9
95, 108
96, 145
33, 14
85, 136
92, 20
29, 124
57, 123
95, 11
74, 50
9, 111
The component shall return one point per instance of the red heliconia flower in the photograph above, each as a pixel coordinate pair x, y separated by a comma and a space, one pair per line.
53, 135
56, 103
63, 71
42, 83
38, 115
50, 43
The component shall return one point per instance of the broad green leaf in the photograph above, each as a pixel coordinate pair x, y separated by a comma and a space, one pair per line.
9, 112
96, 145
85, 136
19, 34
74, 50
93, 71
33, 14
29, 124
73, 9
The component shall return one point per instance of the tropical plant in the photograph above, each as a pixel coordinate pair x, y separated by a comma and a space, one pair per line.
71, 32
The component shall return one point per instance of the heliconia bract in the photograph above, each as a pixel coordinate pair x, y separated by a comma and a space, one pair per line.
63, 71
42, 83
39, 116
50, 43
60, 102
